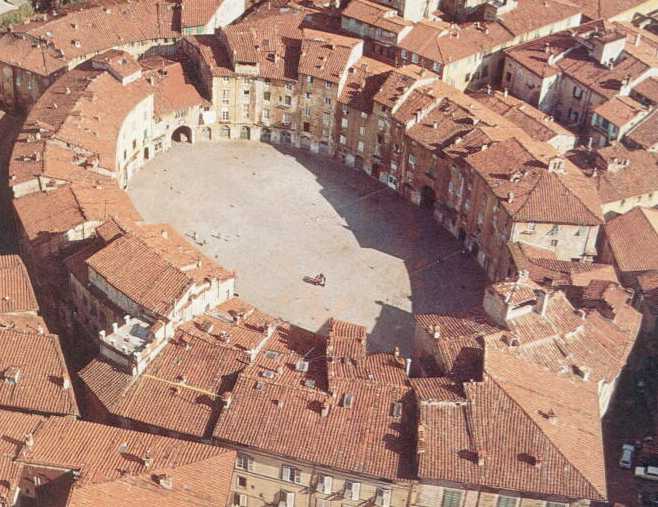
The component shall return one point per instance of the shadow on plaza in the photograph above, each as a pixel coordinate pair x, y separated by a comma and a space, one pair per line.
441, 278
9, 129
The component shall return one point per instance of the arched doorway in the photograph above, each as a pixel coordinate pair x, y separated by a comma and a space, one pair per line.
225, 131
182, 134
245, 133
266, 135
427, 197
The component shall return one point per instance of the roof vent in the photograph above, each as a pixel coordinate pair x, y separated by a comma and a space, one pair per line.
302, 366
267, 374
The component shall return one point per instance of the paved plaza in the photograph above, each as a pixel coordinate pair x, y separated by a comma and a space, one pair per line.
276, 217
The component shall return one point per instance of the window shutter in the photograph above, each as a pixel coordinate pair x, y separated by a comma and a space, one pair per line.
327, 483
296, 475
250, 464
290, 499
243, 500
285, 473
386, 498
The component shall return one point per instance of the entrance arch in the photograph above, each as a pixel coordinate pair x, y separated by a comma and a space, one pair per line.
245, 133
182, 134
427, 197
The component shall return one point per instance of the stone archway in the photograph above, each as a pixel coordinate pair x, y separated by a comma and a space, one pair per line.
182, 134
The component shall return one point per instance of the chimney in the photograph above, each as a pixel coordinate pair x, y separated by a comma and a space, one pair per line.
638, 39
510, 197
324, 411
147, 461
556, 165
505, 93
435, 124
543, 298
29, 441
101, 334
226, 400
164, 233
126, 319
66, 382
115, 327
407, 366
547, 48
165, 481
436, 332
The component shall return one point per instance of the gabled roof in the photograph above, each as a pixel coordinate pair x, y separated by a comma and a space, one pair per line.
633, 239
16, 293
521, 429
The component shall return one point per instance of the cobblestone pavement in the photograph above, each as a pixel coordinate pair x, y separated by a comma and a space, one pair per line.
277, 216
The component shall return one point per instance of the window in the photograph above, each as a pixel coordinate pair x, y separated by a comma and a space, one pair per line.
343, 123
403, 54
507, 501
287, 100
309, 79
352, 490
266, 114
225, 96
325, 484
577, 92
326, 119
436, 66
289, 498
412, 159
342, 139
508, 76
242, 482
288, 86
362, 131
307, 111
239, 500
364, 115
327, 101
266, 96
554, 230
291, 474
532, 227
225, 116
555, 504
582, 230
360, 146
245, 93
306, 126
554, 242
383, 497
414, 58
244, 462
245, 110
451, 498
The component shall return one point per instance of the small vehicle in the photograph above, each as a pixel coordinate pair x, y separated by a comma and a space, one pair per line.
320, 280
627, 452
648, 473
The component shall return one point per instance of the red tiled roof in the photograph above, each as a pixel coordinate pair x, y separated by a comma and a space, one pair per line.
43, 385
633, 239
43, 214
16, 293
528, 449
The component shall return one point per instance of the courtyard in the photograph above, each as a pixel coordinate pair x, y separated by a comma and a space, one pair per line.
277, 216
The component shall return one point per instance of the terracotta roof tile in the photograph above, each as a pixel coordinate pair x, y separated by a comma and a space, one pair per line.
43, 384
16, 293
633, 238
549, 441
